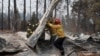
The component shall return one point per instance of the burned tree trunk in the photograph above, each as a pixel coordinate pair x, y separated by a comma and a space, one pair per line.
8, 14
35, 36
37, 9
55, 13
15, 16
30, 9
2, 16
68, 9
24, 15
44, 6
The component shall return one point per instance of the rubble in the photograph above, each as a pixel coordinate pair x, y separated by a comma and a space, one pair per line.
11, 43
15, 43
2, 44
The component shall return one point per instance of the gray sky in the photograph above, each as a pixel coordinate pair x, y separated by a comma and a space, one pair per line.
33, 8
19, 5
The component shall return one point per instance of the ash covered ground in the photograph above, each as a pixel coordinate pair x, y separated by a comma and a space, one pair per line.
14, 44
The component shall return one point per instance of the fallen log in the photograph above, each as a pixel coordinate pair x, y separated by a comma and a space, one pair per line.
35, 36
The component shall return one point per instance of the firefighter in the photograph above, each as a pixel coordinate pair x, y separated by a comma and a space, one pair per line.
30, 29
52, 32
58, 30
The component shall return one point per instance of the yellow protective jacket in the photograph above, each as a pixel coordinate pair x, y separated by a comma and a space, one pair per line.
53, 31
30, 29
58, 29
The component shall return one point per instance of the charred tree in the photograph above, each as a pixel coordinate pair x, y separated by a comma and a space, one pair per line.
15, 16
9, 14
16, 20
78, 21
2, 16
30, 9
67, 8
44, 6
37, 9
55, 13
51, 15
24, 15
